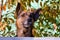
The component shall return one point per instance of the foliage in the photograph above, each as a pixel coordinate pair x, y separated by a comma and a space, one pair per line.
8, 18
44, 26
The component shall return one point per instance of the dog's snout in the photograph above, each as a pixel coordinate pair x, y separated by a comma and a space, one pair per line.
30, 21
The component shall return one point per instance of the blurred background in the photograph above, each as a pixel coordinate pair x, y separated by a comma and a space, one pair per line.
47, 25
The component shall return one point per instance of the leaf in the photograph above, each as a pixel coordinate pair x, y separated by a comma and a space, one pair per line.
37, 1
9, 28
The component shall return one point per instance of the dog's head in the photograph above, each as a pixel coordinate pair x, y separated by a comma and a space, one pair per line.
27, 17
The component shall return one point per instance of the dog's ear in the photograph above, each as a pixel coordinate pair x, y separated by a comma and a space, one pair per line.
37, 14
18, 8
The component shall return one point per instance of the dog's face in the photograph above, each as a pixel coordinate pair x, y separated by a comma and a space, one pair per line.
25, 18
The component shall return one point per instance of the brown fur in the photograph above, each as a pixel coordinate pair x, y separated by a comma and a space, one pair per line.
21, 31
22, 18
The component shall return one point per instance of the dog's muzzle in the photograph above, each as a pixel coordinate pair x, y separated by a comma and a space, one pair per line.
27, 23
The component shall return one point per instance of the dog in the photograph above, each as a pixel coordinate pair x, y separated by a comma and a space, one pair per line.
25, 20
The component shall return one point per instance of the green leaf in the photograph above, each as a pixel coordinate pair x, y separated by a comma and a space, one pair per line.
9, 28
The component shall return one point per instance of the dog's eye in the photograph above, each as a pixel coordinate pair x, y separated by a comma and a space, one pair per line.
23, 15
31, 15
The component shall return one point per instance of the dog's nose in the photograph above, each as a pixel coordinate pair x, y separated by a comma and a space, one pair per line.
30, 21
